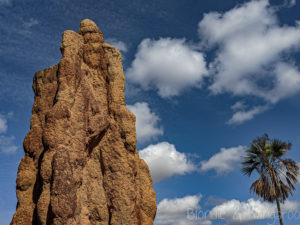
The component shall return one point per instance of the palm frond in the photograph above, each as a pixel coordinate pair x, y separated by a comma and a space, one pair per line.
279, 148
277, 176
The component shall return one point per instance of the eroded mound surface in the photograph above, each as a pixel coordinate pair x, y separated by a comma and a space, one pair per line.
81, 165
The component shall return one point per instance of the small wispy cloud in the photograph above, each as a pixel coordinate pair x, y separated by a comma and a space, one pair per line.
3, 124
30, 23
118, 44
7, 144
5, 2
289, 3
239, 106
242, 115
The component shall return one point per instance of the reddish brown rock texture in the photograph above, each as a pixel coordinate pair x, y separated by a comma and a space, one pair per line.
81, 165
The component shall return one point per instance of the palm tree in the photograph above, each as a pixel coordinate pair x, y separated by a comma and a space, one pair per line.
277, 176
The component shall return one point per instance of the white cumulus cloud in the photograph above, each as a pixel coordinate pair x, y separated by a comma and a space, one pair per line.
224, 161
237, 212
165, 161
180, 211
147, 122
253, 57
187, 211
252, 46
167, 65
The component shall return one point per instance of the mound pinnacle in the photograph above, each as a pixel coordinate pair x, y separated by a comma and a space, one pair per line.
81, 166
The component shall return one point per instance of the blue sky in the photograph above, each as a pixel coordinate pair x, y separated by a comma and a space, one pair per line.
203, 77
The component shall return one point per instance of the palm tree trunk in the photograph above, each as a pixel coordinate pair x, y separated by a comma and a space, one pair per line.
279, 212
271, 171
